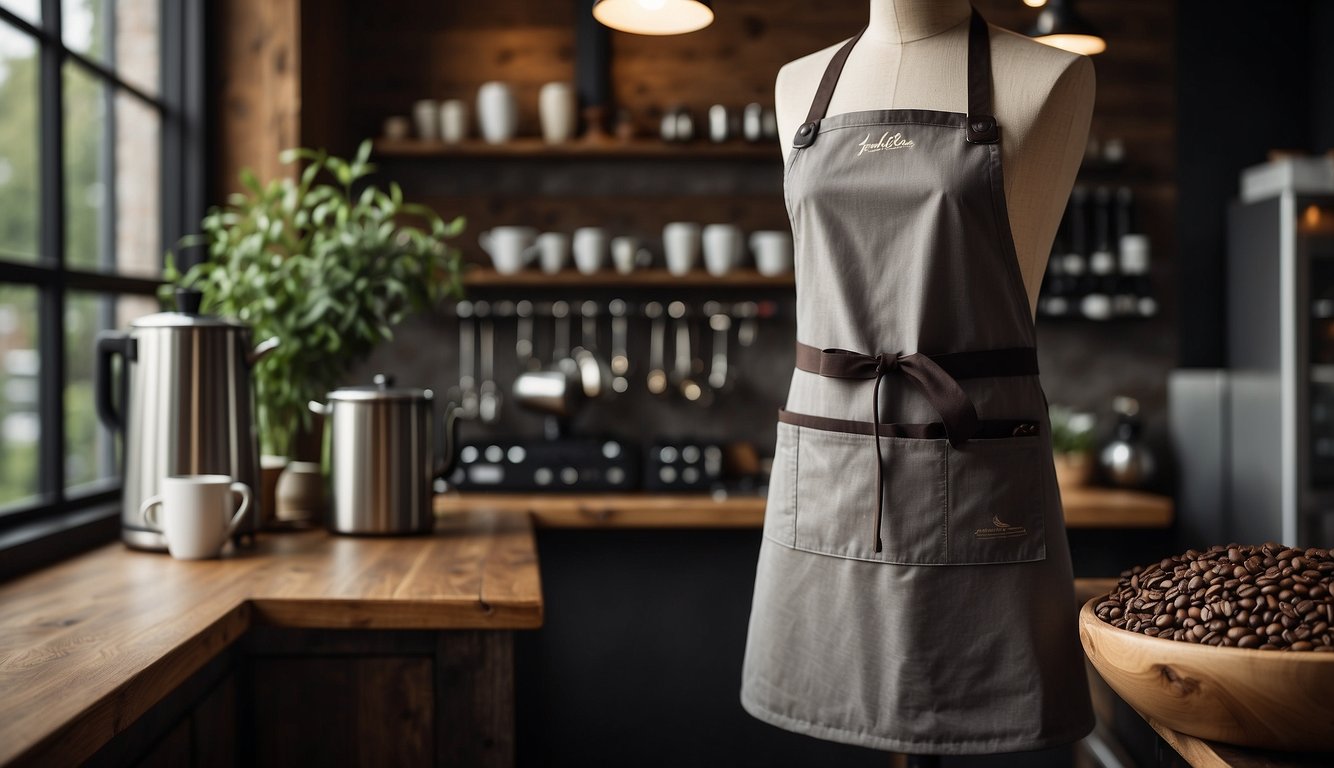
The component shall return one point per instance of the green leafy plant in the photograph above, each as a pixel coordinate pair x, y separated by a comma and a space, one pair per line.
325, 263
1071, 430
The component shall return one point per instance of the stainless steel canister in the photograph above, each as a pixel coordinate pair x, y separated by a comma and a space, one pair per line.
382, 457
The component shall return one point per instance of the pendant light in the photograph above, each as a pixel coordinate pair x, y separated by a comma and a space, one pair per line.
654, 17
1060, 25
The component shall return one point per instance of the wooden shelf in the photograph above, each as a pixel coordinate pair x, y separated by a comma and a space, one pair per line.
638, 149
486, 277
1090, 507
1085, 508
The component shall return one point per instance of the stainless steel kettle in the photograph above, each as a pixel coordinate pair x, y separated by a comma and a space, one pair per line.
381, 451
185, 406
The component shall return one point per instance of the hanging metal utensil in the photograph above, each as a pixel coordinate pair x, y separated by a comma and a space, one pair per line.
620, 356
467, 388
594, 373
525, 354
683, 371
657, 375
488, 394
749, 312
721, 325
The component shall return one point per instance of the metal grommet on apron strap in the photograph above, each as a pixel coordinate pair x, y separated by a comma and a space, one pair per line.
982, 127
808, 130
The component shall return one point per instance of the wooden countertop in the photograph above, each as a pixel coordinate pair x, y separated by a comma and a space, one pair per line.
1211, 754
89, 645
1093, 508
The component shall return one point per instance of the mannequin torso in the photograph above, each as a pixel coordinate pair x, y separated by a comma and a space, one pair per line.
913, 56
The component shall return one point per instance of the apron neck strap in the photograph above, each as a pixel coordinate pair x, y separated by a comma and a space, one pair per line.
981, 124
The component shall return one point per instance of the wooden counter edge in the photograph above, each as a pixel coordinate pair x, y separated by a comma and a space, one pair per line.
1085, 509
1195, 751
80, 735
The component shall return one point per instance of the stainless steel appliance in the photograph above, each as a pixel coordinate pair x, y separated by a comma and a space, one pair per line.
382, 457
1280, 394
572, 464
184, 405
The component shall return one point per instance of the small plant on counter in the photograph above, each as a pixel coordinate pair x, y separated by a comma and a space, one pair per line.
327, 264
1072, 444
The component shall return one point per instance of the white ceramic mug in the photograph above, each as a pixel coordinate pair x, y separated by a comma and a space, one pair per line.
553, 251
556, 108
453, 121
510, 248
773, 251
426, 119
497, 112
722, 248
625, 254
590, 249
197, 514
680, 246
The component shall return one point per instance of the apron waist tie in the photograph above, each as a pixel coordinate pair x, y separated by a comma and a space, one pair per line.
941, 389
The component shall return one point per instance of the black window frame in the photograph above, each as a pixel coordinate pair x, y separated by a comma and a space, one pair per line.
55, 521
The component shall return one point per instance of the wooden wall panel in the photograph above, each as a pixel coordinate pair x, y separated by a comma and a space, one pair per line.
256, 79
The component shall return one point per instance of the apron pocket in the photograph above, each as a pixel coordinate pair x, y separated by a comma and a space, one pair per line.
836, 497
780, 510
997, 500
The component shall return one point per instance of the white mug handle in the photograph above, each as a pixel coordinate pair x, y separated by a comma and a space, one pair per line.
530, 253
484, 240
242, 490
148, 511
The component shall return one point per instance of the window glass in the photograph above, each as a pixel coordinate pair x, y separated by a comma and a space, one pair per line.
128, 44
138, 187
91, 451
19, 161
30, 10
20, 422
87, 202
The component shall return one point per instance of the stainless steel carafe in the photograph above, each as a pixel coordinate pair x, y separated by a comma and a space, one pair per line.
185, 406
382, 457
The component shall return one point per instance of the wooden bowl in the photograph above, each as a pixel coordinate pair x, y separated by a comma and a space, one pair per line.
1270, 699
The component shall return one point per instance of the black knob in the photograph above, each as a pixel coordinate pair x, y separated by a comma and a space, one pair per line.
188, 301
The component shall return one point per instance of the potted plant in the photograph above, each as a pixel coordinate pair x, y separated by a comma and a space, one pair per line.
1072, 445
326, 263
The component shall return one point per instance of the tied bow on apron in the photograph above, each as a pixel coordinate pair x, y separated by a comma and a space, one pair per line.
941, 390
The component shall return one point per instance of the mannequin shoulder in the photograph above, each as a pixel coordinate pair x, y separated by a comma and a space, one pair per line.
1022, 65
795, 86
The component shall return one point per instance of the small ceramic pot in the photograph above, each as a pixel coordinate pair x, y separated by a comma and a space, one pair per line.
1073, 470
301, 493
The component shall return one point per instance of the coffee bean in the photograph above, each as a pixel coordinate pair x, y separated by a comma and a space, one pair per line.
1268, 598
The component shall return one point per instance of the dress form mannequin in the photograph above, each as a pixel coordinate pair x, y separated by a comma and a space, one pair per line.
913, 56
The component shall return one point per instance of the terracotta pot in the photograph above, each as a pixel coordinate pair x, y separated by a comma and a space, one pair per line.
270, 469
301, 493
1073, 470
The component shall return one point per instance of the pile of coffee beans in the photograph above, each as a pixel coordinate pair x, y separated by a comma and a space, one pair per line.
1270, 597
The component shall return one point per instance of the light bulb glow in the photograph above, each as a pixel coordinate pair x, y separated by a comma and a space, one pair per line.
654, 17
1035, 3
1088, 45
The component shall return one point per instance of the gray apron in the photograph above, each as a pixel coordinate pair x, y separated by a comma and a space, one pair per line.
914, 590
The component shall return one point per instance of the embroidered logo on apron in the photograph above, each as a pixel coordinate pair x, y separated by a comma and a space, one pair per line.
1000, 530
886, 141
